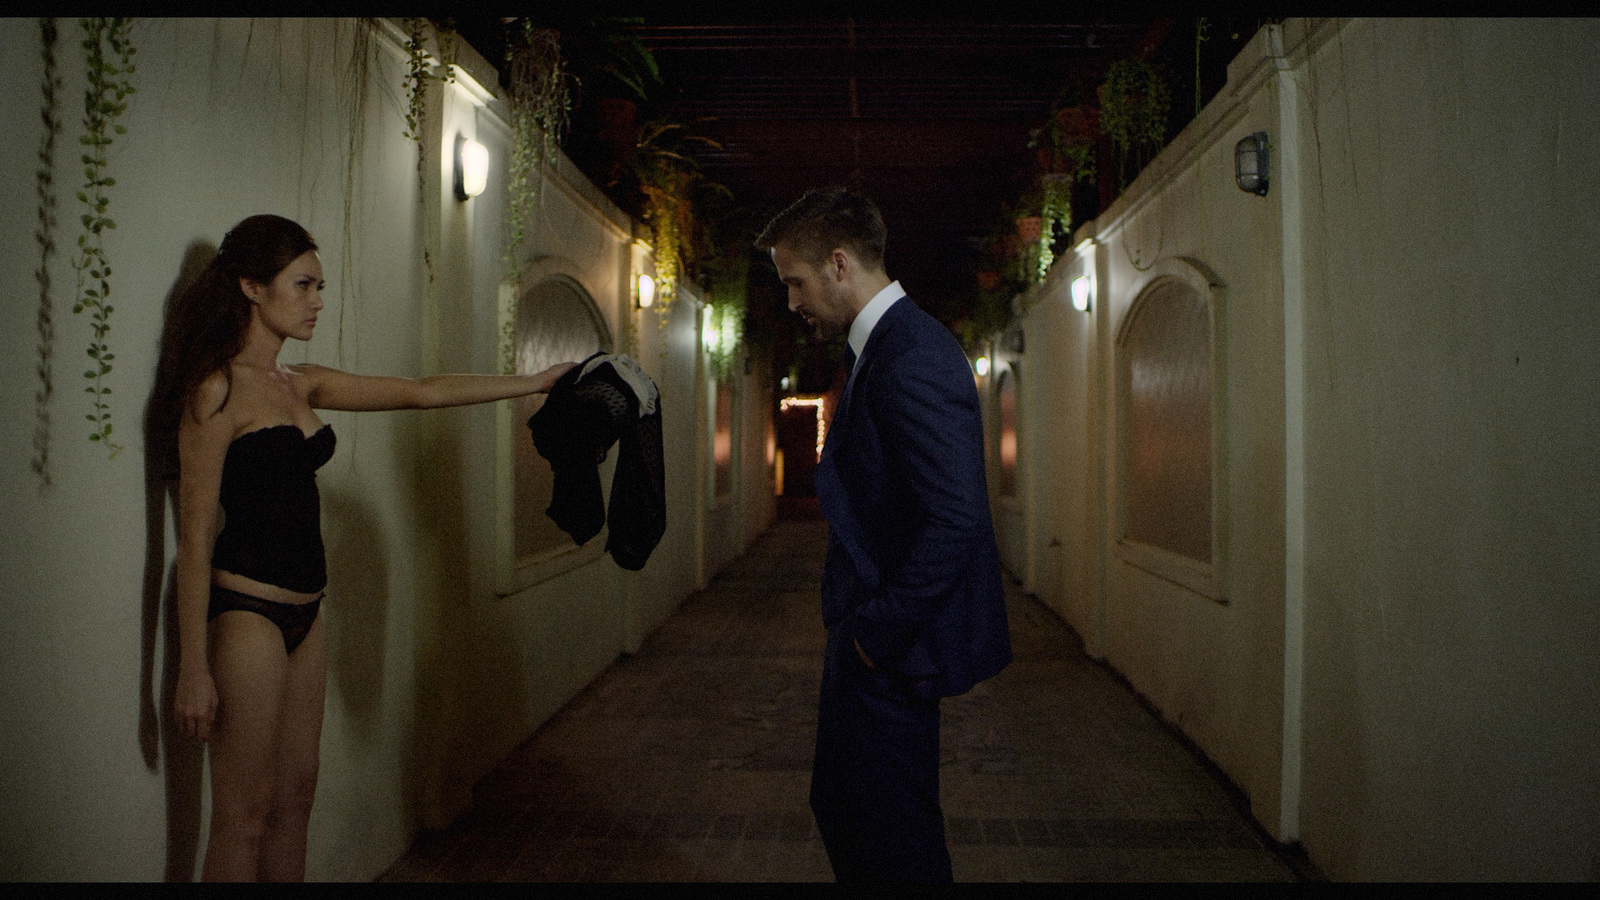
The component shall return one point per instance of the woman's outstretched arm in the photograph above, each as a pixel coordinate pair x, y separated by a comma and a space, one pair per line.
326, 388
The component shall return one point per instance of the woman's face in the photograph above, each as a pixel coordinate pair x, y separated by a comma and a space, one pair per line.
289, 305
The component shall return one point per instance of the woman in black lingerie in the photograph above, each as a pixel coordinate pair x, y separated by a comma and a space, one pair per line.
251, 648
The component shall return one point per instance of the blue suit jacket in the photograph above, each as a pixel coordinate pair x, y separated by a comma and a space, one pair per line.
912, 572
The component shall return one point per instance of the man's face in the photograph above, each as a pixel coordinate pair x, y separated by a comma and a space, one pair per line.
815, 291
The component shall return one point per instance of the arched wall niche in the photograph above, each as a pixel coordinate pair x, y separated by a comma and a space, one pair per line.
553, 319
1171, 509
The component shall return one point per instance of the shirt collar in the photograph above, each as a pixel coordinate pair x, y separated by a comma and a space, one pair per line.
867, 319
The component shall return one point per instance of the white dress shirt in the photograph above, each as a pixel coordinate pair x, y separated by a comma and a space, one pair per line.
867, 319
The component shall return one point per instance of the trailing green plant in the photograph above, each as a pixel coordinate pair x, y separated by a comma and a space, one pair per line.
419, 72
354, 89
45, 236
1065, 153
1065, 145
416, 84
109, 52
726, 325
726, 277
671, 184
1056, 211
1134, 102
540, 102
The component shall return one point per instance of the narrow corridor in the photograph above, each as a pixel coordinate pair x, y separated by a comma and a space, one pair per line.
691, 761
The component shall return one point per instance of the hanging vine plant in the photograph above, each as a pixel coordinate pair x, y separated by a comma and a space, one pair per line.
1056, 211
671, 184
419, 72
667, 212
540, 102
416, 85
1134, 102
45, 236
1065, 148
727, 297
109, 53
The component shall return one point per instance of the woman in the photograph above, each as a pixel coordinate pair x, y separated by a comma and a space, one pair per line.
251, 647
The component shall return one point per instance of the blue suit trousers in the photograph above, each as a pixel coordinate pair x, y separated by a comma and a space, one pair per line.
875, 778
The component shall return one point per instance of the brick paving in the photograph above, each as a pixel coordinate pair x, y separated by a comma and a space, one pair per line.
691, 761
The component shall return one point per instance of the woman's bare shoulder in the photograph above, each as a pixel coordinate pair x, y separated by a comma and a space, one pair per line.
211, 396
309, 376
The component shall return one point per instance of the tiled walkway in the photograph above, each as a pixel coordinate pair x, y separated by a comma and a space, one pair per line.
690, 761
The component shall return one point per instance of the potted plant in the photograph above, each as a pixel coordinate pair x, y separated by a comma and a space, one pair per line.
1064, 145
1134, 102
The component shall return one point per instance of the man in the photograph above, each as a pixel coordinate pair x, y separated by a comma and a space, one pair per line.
911, 593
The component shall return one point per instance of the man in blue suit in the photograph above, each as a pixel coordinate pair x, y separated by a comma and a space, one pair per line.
911, 592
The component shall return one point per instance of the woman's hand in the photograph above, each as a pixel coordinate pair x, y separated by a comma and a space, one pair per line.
195, 703
550, 376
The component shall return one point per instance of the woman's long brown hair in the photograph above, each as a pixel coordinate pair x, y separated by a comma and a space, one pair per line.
205, 328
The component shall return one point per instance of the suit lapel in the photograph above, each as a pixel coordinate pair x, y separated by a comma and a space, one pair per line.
829, 486
841, 415
836, 425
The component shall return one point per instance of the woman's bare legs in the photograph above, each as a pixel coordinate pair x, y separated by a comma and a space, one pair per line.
249, 667
283, 846
263, 748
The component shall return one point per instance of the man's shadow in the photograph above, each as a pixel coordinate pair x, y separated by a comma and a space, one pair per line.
184, 763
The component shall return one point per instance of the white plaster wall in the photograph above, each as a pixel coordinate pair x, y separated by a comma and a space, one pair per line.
433, 673
670, 355
1453, 445
758, 484
1213, 668
738, 518
1057, 414
1442, 711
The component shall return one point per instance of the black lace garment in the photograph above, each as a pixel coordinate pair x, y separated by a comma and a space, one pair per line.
574, 429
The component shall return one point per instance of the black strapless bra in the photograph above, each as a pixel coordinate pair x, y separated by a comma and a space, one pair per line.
272, 529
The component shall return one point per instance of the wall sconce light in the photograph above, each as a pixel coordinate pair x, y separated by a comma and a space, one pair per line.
1250, 166
710, 335
645, 291
472, 169
981, 366
1082, 293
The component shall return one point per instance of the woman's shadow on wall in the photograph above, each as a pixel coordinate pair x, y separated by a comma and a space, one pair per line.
179, 758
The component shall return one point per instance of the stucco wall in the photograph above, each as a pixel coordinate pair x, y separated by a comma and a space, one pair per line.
1410, 450
1453, 445
1211, 664
436, 667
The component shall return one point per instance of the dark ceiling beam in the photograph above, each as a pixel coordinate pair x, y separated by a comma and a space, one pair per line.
967, 37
